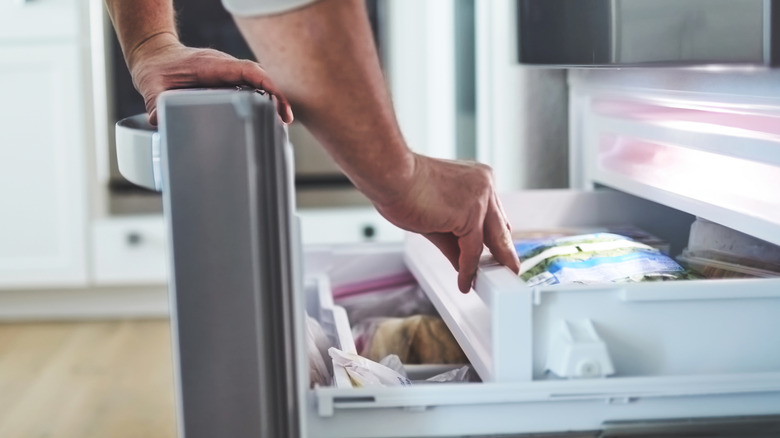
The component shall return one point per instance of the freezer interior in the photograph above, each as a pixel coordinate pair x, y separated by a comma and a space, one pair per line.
548, 358
666, 154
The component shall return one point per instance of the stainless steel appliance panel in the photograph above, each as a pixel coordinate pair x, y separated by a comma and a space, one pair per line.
646, 32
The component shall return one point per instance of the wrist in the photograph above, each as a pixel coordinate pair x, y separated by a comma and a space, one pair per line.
390, 182
149, 45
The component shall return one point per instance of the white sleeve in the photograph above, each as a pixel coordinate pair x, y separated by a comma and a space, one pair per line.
246, 8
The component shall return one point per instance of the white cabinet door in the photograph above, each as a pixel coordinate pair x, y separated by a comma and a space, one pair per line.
38, 20
42, 184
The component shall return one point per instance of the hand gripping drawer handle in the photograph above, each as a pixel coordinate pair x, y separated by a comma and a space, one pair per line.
138, 152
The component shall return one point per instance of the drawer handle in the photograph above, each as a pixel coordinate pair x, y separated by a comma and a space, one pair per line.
369, 232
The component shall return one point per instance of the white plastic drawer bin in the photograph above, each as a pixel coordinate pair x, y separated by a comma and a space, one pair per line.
515, 333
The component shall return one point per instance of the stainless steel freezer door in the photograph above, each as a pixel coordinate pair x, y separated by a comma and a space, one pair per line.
228, 208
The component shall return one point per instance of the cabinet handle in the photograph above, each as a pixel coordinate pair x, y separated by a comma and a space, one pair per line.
134, 238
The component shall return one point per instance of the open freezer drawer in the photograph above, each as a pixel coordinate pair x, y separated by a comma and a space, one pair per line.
677, 350
238, 300
674, 358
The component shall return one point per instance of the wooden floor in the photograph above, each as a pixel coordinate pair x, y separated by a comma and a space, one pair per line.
86, 380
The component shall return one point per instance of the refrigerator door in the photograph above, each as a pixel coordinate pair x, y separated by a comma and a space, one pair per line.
225, 166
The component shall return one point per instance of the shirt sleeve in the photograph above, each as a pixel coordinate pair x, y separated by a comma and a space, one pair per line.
248, 8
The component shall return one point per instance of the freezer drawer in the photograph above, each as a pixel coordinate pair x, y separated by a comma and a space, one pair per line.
674, 358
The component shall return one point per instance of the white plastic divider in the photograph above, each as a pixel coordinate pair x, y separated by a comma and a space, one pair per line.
492, 326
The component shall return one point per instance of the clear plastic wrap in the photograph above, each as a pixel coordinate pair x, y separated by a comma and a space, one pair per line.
390, 299
317, 344
457, 375
367, 373
393, 316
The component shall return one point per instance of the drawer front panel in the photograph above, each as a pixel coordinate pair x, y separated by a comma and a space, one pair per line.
130, 251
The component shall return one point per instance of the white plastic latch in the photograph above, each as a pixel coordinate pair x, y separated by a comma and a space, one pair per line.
577, 351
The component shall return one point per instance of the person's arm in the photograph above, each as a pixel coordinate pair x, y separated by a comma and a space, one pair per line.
324, 60
157, 61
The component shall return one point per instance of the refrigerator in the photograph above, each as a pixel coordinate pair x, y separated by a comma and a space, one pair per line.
659, 149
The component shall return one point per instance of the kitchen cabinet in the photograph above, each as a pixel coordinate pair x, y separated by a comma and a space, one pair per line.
42, 184
38, 21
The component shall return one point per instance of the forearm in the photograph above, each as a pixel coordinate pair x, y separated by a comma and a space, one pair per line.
139, 23
323, 58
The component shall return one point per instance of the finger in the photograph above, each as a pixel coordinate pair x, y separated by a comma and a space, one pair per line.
153, 117
471, 247
502, 211
498, 238
283, 109
226, 70
447, 244
151, 108
254, 75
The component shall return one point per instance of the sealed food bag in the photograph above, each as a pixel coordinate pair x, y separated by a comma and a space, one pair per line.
418, 339
317, 343
593, 259
398, 296
366, 373
630, 231
457, 375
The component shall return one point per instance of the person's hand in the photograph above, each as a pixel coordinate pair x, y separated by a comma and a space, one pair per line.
163, 63
454, 205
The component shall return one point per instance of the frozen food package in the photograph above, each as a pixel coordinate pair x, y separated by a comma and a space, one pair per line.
711, 264
717, 242
638, 234
364, 372
630, 231
317, 343
418, 339
594, 258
